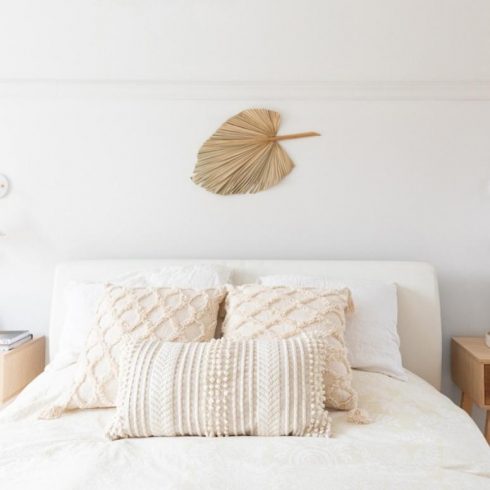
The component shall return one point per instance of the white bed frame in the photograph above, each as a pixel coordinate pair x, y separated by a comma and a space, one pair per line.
419, 321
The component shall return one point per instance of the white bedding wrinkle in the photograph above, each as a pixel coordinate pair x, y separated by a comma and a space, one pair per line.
419, 439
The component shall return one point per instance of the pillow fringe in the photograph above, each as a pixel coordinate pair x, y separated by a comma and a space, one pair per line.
53, 412
359, 416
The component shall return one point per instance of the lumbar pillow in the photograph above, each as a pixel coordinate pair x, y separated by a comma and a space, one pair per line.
371, 334
82, 298
222, 388
170, 314
254, 311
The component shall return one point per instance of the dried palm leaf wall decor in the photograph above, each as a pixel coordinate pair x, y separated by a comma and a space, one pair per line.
244, 155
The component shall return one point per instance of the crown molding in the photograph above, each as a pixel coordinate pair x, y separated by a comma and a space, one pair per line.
250, 90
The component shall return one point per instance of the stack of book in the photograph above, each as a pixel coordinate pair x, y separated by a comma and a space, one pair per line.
10, 339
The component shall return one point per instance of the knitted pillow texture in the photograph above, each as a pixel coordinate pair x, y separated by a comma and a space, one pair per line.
255, 311
222, 388
171, 314
371, 334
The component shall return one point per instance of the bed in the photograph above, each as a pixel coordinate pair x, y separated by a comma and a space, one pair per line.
419, 438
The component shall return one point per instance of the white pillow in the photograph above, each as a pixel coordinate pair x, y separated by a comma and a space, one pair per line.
187, 276
82, 298
371, 334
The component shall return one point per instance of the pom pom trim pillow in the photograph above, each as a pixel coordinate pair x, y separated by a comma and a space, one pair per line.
254, 311
222, 388
170, 314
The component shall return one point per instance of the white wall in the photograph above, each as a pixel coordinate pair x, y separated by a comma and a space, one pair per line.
99, 140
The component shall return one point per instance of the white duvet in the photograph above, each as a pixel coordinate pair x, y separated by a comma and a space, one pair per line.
419, 440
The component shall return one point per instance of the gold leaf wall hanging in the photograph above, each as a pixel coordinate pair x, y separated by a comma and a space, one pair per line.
244, 155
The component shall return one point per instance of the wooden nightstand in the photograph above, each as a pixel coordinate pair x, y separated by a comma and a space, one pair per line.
20, 366
470, 368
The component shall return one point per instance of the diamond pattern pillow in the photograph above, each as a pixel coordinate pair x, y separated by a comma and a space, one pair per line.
255, 311
170, 314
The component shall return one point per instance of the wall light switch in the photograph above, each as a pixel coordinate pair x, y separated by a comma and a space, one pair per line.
4, 186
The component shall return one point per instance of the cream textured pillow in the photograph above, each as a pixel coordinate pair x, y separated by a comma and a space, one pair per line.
170, 314
371, 335
82, 298
256, 311
222, 388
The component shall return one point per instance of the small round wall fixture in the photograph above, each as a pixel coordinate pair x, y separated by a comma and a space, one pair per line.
4, 186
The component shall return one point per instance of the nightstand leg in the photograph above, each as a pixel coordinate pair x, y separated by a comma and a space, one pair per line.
487, 427
466, 404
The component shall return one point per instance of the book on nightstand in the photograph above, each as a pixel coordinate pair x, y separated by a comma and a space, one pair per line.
6, 348
10, 339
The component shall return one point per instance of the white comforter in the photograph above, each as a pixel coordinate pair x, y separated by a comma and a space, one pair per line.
419, 440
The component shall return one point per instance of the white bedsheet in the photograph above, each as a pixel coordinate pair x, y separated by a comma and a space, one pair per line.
419, 440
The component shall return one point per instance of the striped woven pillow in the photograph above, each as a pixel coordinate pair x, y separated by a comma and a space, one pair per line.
222, 388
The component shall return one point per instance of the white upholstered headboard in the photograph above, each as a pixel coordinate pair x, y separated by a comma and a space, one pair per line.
419, 322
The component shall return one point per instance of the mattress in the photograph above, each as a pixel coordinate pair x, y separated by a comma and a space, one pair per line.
419, 439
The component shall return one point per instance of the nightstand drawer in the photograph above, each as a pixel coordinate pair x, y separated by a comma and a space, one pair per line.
20, 366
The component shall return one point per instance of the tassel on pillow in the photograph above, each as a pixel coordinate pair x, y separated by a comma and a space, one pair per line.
359, 416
